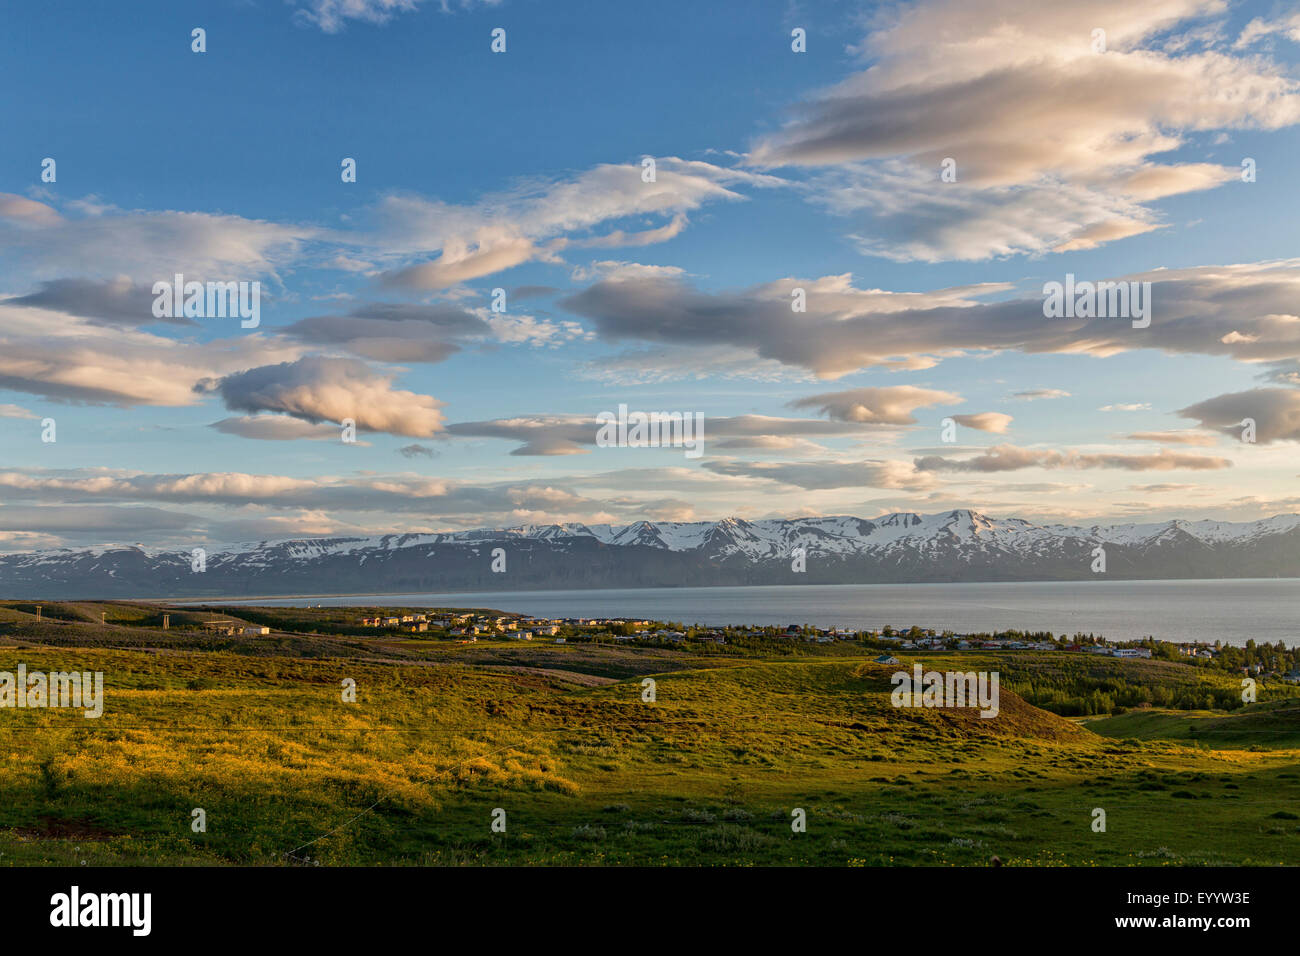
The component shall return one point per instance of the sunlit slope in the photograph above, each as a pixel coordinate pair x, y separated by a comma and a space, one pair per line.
709, 772
1272, 724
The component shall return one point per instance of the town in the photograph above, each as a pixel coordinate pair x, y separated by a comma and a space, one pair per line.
471, 627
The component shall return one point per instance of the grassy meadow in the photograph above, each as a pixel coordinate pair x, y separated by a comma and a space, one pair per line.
255, 733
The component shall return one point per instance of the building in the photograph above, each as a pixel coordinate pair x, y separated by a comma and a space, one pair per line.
1132, 652
887, 659
256, 630
675, 637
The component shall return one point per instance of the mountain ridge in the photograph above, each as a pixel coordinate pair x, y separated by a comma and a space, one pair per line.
902, 547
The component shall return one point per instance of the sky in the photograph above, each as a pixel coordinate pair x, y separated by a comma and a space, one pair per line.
828, 228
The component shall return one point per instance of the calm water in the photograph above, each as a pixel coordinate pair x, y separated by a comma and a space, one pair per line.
1266, 609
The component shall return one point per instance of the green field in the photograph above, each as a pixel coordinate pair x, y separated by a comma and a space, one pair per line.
256, 733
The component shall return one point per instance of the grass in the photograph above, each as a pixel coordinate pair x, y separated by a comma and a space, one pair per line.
586, 772
1272, 725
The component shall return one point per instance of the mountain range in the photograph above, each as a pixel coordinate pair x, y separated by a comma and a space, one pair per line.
950, 546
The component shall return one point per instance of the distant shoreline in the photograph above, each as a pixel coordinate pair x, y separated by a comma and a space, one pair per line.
1182, 609
702, 587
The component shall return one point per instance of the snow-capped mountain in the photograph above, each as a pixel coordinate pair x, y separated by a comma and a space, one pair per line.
949, 546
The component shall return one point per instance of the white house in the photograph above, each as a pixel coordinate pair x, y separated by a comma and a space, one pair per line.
256, 630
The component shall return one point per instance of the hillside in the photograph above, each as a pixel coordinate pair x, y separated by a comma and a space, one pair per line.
1268, 724
587, 772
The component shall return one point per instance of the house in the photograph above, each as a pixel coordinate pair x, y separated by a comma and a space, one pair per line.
887, 659
1132, 652
256, 630
417, 627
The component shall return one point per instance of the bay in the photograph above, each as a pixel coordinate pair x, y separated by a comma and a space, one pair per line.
1232, 611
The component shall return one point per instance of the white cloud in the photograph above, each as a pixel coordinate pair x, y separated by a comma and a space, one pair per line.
318, 389
537, 220
333, 15
1054, 144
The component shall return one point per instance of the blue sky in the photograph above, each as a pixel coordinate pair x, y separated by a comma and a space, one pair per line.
522, 170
